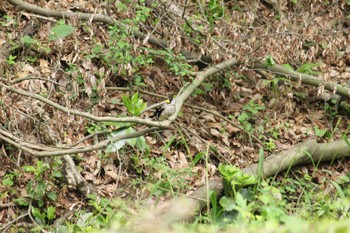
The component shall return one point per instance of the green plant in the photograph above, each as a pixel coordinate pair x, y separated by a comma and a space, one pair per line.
94, 127
27, 40
7, 20
134, 105
269, 61
270, 144
39, 188
7, 180
235, 179
214, 11
250, 203
308, 68
177, 63
216, 209
162, 178
321, 133
275, 83
249, 111
102, 213
330, 109
11, 60
121, 56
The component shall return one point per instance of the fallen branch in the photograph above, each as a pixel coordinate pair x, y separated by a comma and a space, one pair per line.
60, 14
305, 79
74, 179
186, 208
137, 120
200, 77
63, 151
306, 152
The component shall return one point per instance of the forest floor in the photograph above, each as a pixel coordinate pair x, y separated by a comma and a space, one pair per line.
93, 68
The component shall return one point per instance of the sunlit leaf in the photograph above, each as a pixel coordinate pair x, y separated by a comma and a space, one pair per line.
60, 31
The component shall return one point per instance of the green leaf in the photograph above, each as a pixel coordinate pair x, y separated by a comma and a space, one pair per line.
51, 195
236, 177
51, 213
60, 31
228, 204
346, 140
141, 144
40, 167
39, 190
21, 201
40, 217
197, 158
243, 117
30, 188
7, 181
269, 61
135, 105
27, 40
307, 68
57, 174
320, 132
29, 168
83, 221
240, 200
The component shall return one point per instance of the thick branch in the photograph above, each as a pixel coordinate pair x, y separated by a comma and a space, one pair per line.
200, 77
309, 151
59, 152
60, 14
305, 79
303, 153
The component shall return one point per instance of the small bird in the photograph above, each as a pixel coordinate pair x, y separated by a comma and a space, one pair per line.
166, 110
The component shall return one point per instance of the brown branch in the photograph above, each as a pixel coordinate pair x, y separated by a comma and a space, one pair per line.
31, 77
200, 77
63, 151
60, 14
305, 79
137, 120
74, 179
306, 152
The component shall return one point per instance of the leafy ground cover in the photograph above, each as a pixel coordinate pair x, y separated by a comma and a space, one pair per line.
235, 118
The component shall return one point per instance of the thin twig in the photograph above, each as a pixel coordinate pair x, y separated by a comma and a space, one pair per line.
30, 77
90, 136
147, 122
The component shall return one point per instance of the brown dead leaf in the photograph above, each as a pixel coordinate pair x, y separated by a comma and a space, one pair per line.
215, 133
232, 129
44, 66
208, 117
111, 171
216, 125
183, 163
